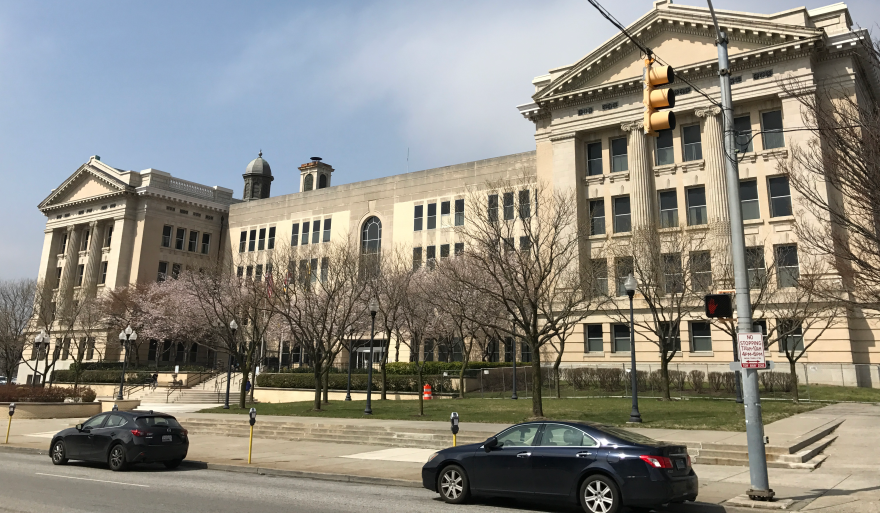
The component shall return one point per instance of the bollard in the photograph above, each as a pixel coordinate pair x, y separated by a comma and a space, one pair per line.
454, 420
9, 425
253, 420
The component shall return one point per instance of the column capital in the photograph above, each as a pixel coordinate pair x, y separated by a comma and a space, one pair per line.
93, 224
629, 126
70, 227
707, 112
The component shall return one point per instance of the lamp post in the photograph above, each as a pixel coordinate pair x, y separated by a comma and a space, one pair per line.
232, 326
38, 341
631, 285
374, 307
513, 356
126, 336
348, 390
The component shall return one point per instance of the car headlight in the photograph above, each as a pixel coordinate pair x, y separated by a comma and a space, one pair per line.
431, 457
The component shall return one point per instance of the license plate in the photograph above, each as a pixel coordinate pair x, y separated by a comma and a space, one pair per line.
680, 464
166, 438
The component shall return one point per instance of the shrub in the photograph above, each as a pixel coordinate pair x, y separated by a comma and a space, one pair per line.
783, 381
395, 383
41, 394
697, 378
87, 395
642, 380
716, 380
656, 380
610, 379
102, 376
768, 380
678, 379
580, 378
729, 382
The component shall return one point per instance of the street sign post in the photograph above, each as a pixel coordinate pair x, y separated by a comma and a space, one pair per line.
751, 350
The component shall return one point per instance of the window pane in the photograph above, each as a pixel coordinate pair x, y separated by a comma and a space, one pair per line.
599, 268
525, 206
701, 270
788, 271
417, 217
594, 159
780, 197
701, 336
748, 194
756, 268
459, 212
508, 205
665, 150
743, 128
621, 215
693, 149
326, 237
294, 234
668, 209
696, 201
623, 268
772, 126
597, 217
621, 338
432, 216
493, 208
618, 155
316, 232
593, 338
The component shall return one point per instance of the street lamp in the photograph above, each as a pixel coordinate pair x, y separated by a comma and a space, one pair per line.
126, 336
631, 285
38, 340
348, 390
513, 356
232, 326
374, 307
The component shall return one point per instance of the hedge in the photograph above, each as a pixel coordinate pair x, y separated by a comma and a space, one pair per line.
102, 376
439, 367
42, 394
151, 367
396, 383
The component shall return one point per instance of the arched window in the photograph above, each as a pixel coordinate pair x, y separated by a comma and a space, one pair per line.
371, 236
308, 183
322, 181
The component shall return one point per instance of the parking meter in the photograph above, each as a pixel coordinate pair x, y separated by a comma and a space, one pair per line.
253, 420
453, 419
115, 407
9, 425
12, 409
253, 414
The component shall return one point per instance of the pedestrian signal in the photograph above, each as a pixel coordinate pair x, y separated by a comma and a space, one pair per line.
719, 306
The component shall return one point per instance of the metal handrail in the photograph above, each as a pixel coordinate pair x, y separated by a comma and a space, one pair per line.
175, 385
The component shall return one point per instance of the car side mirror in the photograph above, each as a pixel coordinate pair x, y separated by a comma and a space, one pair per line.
490, 444
79, 427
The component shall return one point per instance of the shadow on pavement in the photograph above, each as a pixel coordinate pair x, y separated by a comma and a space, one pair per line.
132, 468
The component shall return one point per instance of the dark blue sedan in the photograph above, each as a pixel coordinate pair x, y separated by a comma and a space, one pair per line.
121, 438
603, 468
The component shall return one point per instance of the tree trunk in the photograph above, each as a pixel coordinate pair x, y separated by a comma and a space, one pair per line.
419, 391
556, 368
253, 380
537, 406
318, 383
242, 396
792, 364
327, 384
664, 377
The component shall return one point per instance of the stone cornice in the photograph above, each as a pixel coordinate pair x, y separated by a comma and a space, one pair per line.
68, 204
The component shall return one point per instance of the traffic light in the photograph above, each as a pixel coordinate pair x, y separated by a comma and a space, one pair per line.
656, 99
719, 306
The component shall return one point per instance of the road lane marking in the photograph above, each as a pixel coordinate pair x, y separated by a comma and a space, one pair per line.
87, 479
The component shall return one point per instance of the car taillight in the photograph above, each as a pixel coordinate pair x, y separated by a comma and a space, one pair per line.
657, 461
689, 460
185, 432
137, 432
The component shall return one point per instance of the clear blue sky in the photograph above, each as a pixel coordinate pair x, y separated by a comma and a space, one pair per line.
196, 88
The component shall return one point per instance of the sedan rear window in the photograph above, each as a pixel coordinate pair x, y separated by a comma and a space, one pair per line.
628, 436
157, 422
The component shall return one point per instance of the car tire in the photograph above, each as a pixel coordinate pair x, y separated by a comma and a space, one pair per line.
116, 458
173, 463
59, 453
453, 485
599, 494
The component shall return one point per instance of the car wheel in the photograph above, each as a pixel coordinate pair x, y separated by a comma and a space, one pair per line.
599, 495
453, 485
59, 453
116, 460
173, 463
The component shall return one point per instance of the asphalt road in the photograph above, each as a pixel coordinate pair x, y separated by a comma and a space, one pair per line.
30, 483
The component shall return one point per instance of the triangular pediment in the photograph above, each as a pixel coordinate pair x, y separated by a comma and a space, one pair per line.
680, 36
87, 183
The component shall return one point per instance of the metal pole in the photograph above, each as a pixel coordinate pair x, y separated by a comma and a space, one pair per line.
737, 375
124, 364
9, 426
513, 357
250, 445
634, 415
348, 391
760, 481
369, 409
229, 373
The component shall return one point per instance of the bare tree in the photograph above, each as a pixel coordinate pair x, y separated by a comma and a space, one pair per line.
16, 311
92, 322
389, 287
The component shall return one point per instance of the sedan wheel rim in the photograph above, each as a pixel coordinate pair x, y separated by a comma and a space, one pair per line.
451, 484
116, 457
58, 453
598, 497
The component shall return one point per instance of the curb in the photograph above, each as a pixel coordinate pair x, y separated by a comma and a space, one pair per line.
23, 450
263, 471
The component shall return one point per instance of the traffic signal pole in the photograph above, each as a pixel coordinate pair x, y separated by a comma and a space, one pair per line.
760, 482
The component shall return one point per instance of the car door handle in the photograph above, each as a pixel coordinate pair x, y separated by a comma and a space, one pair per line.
584, 454
523, 455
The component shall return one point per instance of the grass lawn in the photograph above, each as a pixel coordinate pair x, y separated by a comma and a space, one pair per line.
683, 414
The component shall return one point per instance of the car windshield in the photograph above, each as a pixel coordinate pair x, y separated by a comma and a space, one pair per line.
628, 436
157, 422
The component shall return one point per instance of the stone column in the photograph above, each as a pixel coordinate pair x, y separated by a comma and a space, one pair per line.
93, 263
716, 193
643, 192
68, 273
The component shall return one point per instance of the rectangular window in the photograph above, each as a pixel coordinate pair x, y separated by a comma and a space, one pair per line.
445, 214
80, 272
206, 243
432, 216
756, 268
593, 338
242, 241
193, 241
668, 209
599, 269
792, 335
58, 271
780, 196
417, 259
742, 127
748, 197
508, 206
240, 271
444, 251
621, 338
65, 349
671, 336
508, 245
701, 270
294, 234
525, 206
305, 233
459, 212
622, 222
85, 240
597, 217
696, 202
701, 337
103, 279
109, 238
760, 327
594, 159
432, 257
252, 240
417, 217
326, 237
249, 272
771, 125
270, 243
492, 211
623, 268
459, 249
693, 147
163, 271
258, 275
618, 155
175, 271
673, 274
325, 269
64, 242
665, 149
316, 231
179, 239
787, 271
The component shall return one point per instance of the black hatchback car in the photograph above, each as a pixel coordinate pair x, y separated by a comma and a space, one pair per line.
603, 468
121, 438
